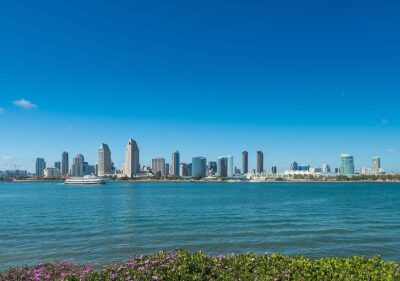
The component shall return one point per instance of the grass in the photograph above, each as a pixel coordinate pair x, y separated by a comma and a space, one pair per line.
185, 266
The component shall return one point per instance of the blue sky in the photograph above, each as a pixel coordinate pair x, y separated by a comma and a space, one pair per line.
301, 80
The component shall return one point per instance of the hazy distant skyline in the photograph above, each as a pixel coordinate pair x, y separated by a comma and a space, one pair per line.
302, 81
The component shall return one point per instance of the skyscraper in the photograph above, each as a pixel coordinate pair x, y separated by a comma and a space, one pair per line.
260, 162
347, 165
77, 166
104, 160
274, 170
294, 166
326, 168
40, 166
199, 166
245, 162
132, 165
230, 166
376, 165
64, 164
183, 170
212, 167
175, 163
167, 169
222, 170
158, 166
57, 165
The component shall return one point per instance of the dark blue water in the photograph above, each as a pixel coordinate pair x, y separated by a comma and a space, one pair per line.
99, 224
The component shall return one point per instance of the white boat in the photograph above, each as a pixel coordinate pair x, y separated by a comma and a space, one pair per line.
85, 180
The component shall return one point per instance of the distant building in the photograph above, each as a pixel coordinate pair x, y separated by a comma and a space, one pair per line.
189, 170
212, 168
326, 168
260, 162
347, 165
158, 166
230, 166
273, 170
236, 171
40, 166
376, 165
199, 166
132, 165
222, 170
167, 169
16, 173
77, 166
175, 161
183, 170
64, 164
245, 162
104, 160
57, 165
52, 173
303, 168
294, 166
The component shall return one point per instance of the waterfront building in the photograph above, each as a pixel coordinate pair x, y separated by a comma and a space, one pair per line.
40, 166
230, 166
376, 165
104, 160
273, 170
182, 170
303, 168
236, 171
16, 173
175, 164
77, 166
222, 170
189, 170
167, 169
294, 166
52, 173
158, 166
199, 166
132, 165
347, 165
260, 162
64, 164
57, 165
212, 168
326, 168
245, 162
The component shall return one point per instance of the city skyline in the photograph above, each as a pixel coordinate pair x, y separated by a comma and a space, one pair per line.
303, 86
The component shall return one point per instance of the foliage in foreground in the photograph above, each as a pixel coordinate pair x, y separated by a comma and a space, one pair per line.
182, 265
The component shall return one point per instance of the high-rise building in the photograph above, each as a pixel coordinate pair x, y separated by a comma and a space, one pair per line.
64, 164
230, 166
167, 169
222, 170
57, 165
175, 164
77, 166
273, 170
347, 165
376, 165
158, 166
132, 165
104, 160
245, 162
212, 167
52, 173
294, 166
40, 166
183, 170
326, 168
189, 170
199, 166
260, 162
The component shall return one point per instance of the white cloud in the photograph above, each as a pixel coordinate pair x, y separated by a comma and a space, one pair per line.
384, 121
2, 111
5, 158
391, 150
24, 104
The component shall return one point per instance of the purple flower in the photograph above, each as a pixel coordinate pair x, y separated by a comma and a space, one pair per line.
155, 277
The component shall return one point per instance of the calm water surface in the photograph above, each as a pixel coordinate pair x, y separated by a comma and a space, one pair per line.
50, 221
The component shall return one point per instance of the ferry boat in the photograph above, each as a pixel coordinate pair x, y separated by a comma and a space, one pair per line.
85, 180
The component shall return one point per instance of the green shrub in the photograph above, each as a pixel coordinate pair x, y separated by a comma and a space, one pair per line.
185, 266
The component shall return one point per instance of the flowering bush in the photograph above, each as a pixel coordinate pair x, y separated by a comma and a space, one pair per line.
182, 265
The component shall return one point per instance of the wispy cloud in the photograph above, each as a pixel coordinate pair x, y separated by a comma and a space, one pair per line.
2, 111
391, 150
6, 158
384, 121
24, 104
